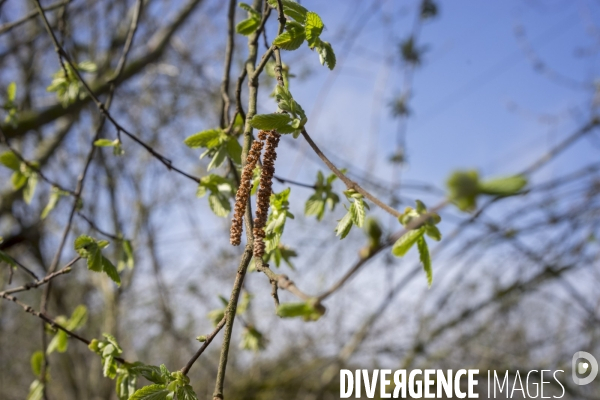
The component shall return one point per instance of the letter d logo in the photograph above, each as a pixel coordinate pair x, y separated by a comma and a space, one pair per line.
583, 367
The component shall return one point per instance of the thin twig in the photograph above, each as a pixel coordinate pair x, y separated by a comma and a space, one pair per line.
37, 283
209, 338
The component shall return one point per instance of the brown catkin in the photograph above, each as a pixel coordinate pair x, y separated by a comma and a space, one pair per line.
243, 192
264, 190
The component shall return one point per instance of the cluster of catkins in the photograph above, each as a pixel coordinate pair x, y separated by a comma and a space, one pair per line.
270, 140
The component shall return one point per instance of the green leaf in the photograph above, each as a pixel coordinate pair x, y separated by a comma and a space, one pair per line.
216, 316
105, 143
29, 190
249, 8
291, 9
247, 26
36, 390
125, 384
309, 311
463, 187
152, 392
406, 241
18, 180
219, 204
268, 122
94, 259
37, 361
503, 186
10, 160
358, 212
313, 28
186, 392
111, 271
433, 232
234, 150
292, 38
425, 259
315, 205
11, 91
150, 372
109, 368
78, 318
59, 342
87, 66
55, 196
127, 257
208, 138
244, 303
218, 158
252, 339
326, 54
343, 227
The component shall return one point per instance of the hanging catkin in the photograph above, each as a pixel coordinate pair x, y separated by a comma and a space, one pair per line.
243, 192
264, 190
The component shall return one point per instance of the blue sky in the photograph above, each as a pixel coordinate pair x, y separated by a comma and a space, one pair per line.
477, 99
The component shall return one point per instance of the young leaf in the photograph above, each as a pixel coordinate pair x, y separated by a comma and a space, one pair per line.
326, 54
343, 227
125, 384
234, 150
252, 339
313, 28
463, 187
425, 259
208, 138
10, 160
37, 360
268, 122
309, 311
152, 392
291, 9
358, 213
186, 392
218, 158
150, 372
111, 271
247, 26
406, 241
503, 186
219, 204
104, 143
78, 318
36, 390
11, 91
292, 38
30, 187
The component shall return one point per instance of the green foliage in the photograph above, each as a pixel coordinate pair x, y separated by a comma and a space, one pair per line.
125, 383
252, 339
115, 144
291, 120
220, 189
60, 340
251, 24
67, 86
37, 361
354, 216
425, 226
311, 310
374, 232
291, 9
274, 229
323, 198
36, 390
55, 196
292, 38
126, 258
313, 27
90, 249
465, 186
11, 106
218, 145
107, 349
167, 385
307, 25
24, 176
